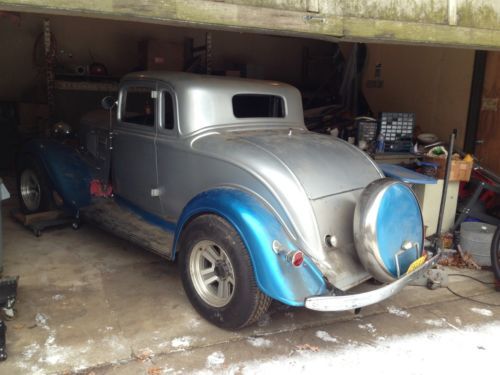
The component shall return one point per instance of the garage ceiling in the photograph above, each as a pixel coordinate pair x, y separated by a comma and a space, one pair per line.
463, 23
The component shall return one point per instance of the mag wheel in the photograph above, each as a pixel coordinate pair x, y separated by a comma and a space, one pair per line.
217, 274
212, 273
33, 188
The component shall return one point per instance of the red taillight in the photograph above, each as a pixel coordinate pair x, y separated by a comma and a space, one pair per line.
296, 258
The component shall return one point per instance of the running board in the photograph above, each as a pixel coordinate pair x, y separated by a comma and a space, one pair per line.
110, 216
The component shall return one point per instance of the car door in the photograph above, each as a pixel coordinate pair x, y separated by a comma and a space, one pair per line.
134, 167
171, 157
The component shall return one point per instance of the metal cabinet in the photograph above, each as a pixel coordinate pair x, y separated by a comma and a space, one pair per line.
429, 197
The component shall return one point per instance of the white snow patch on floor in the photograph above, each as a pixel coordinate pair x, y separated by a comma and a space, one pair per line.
194, 322
436, 322
259, 342
181, 342
54, 354
398, 312
368, 327
30, 350
325, 336
215, 359
413, 353
41, 320
483, 312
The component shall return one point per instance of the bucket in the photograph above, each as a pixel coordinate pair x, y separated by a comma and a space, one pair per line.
476, 238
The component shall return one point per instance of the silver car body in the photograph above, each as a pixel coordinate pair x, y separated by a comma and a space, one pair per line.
311, 181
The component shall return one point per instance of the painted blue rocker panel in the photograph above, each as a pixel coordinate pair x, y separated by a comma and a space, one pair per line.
69, 175
258, 227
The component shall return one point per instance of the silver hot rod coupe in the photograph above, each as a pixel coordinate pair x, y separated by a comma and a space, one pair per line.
223, 174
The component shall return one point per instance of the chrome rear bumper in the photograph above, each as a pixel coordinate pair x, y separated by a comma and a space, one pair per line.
354, 301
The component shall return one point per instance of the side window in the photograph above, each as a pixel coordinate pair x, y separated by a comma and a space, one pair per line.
139, 108
168, 110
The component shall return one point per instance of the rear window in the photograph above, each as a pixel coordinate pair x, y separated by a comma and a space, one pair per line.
257, 105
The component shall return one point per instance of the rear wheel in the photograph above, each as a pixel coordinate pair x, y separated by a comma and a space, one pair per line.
217, 274
33, 187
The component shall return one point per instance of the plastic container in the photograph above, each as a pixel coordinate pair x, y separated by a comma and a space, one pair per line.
475, 238
380, 143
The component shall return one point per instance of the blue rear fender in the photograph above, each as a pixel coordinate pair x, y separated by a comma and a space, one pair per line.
68, 173
258, 227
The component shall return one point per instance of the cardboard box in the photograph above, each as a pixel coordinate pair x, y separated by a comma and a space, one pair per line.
460, 170
162, 55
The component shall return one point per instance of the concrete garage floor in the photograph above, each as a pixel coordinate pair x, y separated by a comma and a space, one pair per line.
91, 303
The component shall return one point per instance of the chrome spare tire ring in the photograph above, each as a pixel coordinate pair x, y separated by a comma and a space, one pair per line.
212, 273
30, 189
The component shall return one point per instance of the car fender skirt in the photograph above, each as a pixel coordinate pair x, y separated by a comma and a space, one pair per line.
258, 227
69, 175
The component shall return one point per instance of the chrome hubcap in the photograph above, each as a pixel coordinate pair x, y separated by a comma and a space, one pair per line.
30, 190
212, 273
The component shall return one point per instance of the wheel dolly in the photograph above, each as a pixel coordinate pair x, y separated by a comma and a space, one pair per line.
40, 221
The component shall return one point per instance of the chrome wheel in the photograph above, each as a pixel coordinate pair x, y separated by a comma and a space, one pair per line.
30, 189
212, 273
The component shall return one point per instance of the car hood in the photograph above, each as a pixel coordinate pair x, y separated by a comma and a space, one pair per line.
322, 164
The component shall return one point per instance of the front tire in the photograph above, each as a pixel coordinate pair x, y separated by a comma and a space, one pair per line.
33, 187
217, 274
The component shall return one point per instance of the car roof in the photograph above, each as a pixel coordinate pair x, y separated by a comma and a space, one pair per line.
182, 79
204, 100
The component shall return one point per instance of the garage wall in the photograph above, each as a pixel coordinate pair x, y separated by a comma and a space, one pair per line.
432, 82
115, 44
17, 72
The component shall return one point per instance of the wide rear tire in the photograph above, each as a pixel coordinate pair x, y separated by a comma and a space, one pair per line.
217, 274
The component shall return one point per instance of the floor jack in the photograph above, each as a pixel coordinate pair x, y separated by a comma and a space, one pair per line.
8, 286
8, 295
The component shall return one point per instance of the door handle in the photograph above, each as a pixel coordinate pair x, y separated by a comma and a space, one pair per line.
156, 192
479, 141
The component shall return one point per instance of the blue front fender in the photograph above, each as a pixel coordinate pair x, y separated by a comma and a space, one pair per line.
258, 227
69, 175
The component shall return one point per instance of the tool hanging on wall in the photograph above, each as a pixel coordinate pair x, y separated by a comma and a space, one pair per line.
194, 56
50, 58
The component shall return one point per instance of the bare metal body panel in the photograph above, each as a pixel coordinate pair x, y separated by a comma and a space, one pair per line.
310, 181
122, 222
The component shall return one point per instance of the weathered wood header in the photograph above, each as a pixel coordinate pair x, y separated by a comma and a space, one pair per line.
464, 23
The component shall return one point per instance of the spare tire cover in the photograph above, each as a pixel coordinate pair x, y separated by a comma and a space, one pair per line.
388, 229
